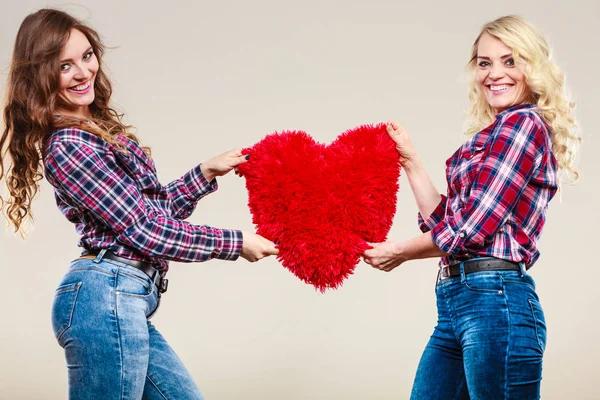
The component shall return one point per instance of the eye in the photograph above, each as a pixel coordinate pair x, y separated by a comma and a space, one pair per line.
510, 62
88, 55
484, 64
65, 67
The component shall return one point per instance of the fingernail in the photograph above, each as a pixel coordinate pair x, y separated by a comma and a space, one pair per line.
247, 156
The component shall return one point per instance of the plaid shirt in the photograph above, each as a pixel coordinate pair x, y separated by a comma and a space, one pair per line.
116, 202
499, 185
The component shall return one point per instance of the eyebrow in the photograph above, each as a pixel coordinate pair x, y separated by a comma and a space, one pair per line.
487, 58
84, 53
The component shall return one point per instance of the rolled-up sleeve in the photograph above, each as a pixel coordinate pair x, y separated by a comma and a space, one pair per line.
434, 218
96, 182
513, 154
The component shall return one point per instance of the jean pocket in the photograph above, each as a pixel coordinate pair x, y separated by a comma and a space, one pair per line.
63, 306
539, 322
515, 277
485, 282
130, 284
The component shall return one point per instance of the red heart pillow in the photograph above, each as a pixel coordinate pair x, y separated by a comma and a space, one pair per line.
320, 203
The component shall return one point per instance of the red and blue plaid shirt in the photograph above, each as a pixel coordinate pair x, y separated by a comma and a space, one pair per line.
499, 185
116, 202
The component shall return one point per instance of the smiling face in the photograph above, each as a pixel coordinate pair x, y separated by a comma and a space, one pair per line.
78, 68
500, 80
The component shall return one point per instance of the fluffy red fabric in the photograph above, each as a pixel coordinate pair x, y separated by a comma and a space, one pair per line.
320, 203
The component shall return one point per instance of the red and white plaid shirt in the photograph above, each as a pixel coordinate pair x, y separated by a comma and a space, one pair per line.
116, 202
499, 185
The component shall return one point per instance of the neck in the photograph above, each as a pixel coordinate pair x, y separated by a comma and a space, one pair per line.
76, 112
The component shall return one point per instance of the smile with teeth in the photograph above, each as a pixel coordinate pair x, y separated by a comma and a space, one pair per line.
83, 88
499, 88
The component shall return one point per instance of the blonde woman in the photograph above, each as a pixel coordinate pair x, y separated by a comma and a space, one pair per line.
490, 337
58, 115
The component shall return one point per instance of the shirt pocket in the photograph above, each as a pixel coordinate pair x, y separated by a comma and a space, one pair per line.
140, 171
472, 160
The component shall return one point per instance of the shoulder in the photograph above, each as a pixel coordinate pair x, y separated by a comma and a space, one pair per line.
70, 146
521, 114
523, 125
76, 137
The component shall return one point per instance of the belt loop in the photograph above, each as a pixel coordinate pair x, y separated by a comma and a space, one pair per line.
100, 256
523, 271
463, 278
437, 280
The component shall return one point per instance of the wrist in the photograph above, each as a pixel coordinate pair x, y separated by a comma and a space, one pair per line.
401, 252
411, 164
207, 171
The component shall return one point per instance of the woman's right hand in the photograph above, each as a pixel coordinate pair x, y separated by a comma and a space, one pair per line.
404, 146
223, 163
256, 247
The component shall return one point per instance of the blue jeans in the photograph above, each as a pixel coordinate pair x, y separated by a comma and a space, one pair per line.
489, 340
100, 317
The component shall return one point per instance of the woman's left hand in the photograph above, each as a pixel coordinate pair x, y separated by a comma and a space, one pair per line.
222, 164
384, 256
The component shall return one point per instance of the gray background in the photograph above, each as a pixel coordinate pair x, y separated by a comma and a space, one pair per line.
198, 78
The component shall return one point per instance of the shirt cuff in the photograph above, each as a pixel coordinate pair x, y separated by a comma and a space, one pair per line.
448, 239
435, 218
196, 184
229, 244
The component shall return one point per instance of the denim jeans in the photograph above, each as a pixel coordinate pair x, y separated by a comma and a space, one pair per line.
100, 316
489, 340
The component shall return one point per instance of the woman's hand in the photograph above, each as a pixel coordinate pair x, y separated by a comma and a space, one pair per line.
384, 256
256, 247
404, 146
222, 164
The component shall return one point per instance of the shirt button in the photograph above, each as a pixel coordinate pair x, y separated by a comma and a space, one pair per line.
462, 234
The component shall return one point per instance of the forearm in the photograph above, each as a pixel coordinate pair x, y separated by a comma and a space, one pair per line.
177, 240
387, 256
420, 247
425, 193
186, 191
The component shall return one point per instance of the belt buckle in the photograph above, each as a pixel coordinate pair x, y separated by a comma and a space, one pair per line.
160, 281
445, 272
164, 284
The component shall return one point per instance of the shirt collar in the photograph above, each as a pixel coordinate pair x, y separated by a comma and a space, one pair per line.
513, 108
479, 140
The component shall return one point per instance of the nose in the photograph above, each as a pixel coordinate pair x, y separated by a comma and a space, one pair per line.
82, 72
496, 72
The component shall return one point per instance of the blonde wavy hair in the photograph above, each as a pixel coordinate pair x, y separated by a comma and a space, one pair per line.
545, 80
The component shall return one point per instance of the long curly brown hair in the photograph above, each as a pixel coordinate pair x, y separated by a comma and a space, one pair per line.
30, 113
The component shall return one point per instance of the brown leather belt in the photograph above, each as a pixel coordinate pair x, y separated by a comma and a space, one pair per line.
478, 265
154, 274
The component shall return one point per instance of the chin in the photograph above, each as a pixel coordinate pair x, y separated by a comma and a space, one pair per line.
501, 105
83, 102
